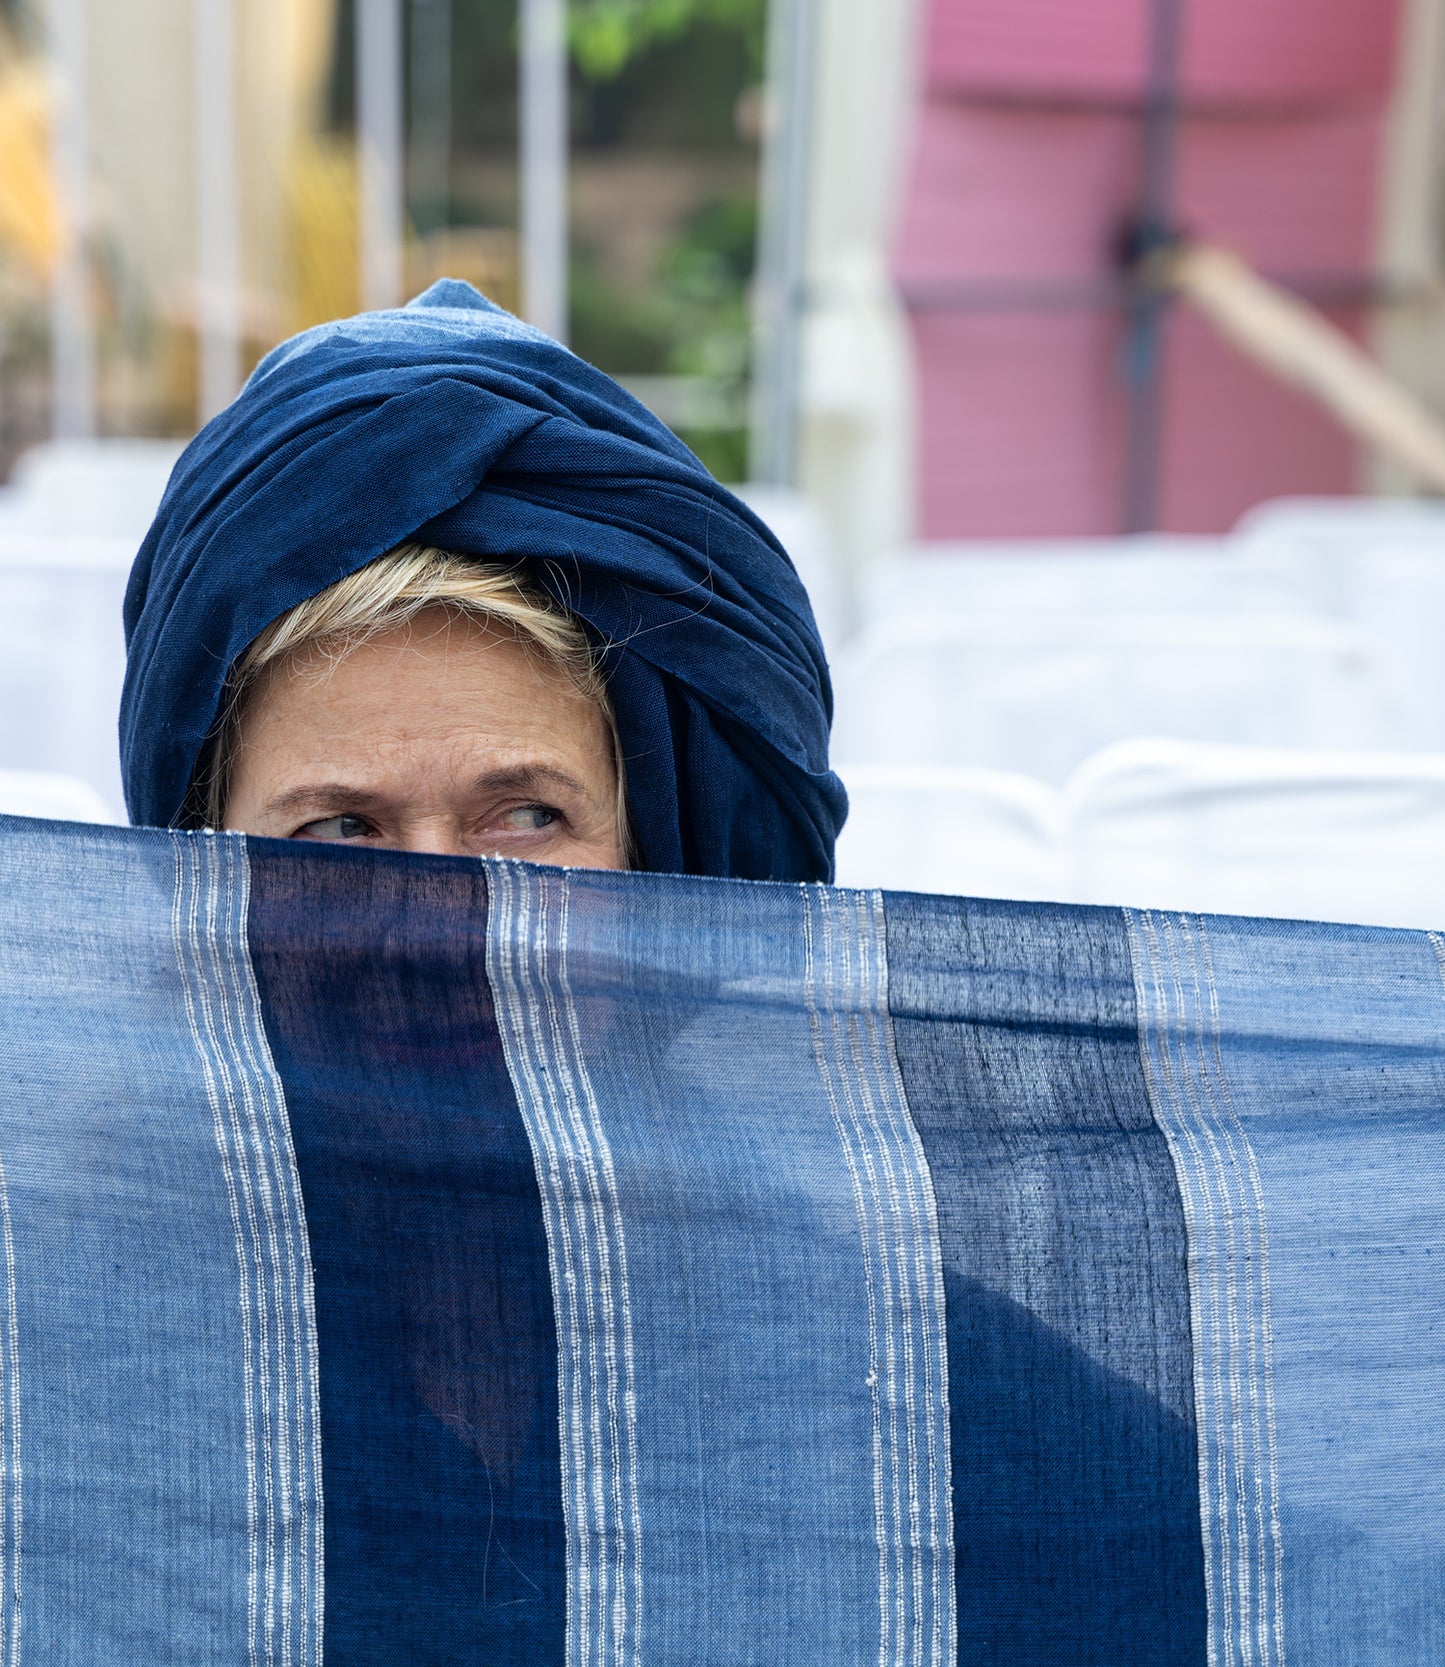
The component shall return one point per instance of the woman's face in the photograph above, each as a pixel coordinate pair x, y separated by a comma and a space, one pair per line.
437, 736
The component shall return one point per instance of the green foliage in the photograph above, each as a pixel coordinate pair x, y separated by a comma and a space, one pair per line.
723, 452
607, 34
644, 71
622, 333
692, 320
704, 279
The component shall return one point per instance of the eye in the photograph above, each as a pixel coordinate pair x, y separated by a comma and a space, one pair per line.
335, 827
528, 818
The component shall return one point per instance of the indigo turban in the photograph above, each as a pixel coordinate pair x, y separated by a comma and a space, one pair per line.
450, 422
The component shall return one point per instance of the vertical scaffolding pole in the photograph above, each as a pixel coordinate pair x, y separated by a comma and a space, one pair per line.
1144, 330
1411, 246
72, 325
778, 290
218, 206
380, 151
429, 149
544, 164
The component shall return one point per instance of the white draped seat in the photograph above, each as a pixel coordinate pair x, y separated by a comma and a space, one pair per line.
62, 659
60, 798
1150, 575
982, 833
1333, 836
1037, 693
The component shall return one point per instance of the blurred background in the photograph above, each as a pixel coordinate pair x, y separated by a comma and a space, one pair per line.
183, 183
1087, 355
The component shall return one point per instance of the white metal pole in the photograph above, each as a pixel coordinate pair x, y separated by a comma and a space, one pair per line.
544, 164
429, 147
778, 289
380, 151
218, 206
72, 325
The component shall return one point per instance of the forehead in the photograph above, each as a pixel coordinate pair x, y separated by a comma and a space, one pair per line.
439, 678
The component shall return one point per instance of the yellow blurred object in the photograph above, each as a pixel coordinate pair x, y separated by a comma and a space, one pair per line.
29, 224
324, 208
1297, 343
484, 256
324, 202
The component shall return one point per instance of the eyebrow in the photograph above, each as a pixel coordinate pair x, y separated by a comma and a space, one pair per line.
522, 777
335, 795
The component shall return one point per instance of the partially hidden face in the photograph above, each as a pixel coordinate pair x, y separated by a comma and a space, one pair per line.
439, 735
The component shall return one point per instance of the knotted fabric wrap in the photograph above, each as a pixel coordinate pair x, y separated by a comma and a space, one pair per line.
451, 422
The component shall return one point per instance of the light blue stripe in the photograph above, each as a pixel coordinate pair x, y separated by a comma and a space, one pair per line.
12, 1470
775, 1404
1299, 1072
1229, 1284
164, 1334
275, 1294
846, 993
528, 964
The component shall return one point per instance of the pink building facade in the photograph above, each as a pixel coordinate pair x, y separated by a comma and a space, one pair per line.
1028, 163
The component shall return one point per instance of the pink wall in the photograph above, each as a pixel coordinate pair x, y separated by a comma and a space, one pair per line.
1267, 51
1027, 160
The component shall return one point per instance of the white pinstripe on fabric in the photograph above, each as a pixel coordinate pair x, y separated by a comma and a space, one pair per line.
11, 1473
301, 1382
928, 1278
1271, 1545
527, 962
846, 997
276, 1300
1225, 1223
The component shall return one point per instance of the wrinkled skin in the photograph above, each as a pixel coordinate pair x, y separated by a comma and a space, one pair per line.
438, 736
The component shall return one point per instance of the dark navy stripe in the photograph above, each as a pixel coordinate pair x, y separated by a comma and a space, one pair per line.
1075, 1468
438, 1352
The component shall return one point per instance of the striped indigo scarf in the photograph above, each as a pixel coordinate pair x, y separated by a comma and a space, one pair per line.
429, 1261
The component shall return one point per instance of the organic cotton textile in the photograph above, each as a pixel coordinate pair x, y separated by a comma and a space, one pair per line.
451, 422
421, 1261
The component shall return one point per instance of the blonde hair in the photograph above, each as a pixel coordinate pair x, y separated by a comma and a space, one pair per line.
389, 592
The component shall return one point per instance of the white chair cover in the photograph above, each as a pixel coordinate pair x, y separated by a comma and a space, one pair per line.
62, 660
1155, 575
88, 488
63, 798
1038, 693
1316, 545
979, 833
1333, 836
1396, 598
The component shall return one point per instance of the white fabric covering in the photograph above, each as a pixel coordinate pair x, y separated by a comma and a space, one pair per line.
1396, 598
1337, 836
1349, 521
1316, 546
1168, 824
88, 488
63, 798
1038, 693
983, 833
62, 660
71, 520
1155, 575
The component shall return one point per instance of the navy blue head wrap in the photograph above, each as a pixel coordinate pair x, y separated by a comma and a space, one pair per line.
450, 422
